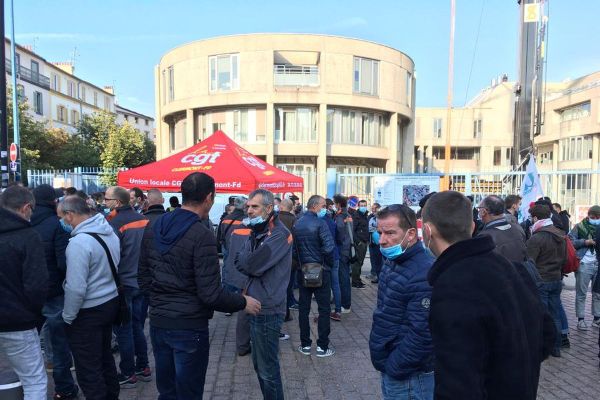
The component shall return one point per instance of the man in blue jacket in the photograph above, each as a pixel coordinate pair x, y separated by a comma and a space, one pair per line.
400, 342
314, 244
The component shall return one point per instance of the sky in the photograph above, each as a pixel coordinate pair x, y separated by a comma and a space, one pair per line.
119, 42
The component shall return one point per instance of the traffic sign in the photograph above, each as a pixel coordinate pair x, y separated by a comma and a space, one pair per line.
13, 166
13, 152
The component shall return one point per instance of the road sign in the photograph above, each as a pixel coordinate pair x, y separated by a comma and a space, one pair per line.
13, 152
13, 166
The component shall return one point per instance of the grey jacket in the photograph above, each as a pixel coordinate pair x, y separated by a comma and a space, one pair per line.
89, 281
508, 237
265, 259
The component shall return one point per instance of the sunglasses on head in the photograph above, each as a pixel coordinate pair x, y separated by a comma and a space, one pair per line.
402, 209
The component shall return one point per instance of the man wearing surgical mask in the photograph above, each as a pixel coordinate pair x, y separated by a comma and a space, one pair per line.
400, 342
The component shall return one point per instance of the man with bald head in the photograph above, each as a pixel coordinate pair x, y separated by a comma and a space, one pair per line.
155, 205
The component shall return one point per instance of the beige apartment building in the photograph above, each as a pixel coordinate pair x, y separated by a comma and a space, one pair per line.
305, 103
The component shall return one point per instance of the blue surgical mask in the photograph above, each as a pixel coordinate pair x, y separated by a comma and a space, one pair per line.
106, 210
323, 212
594, 221
253, 221
362, 209
66, 227
393, 252
375, 237
276, 208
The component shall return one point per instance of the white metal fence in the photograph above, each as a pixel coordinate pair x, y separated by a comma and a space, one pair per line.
569, 188
82, 178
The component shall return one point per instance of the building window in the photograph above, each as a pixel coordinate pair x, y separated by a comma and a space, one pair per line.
296, 125
18, 63
38, 103
172, 136
171, 83
55, 82
366, 76
35, 70
82, 93
61, 114
96, 99
356, 127
146, 122
136, 119
576, 148
497, 156
240, 125
577, 111
477, 129
20, 92
107, 103
71, 88
437, 128
457, 153
546, 157
224, 72
74, 117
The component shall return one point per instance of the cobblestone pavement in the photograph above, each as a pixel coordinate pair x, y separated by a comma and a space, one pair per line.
349, 373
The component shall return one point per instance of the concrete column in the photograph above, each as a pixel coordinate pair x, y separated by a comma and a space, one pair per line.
408, 145
595, 161
556, 179
391, 166
270, 133
189, 127
322, 150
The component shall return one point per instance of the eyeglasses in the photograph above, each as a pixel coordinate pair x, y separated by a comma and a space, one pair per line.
107, 199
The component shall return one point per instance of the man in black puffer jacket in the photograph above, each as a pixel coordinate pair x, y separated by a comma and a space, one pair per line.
55, 239
179, 268
23, 287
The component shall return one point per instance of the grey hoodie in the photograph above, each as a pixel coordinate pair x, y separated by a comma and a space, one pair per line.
89, 281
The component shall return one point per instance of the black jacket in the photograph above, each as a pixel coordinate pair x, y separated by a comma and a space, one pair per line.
508, 237
55, 240
487, 324
361, 226
23, 274
313, 242
184, 283
154, 212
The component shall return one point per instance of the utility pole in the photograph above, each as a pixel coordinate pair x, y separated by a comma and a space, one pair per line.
13, 68
446, 181
3, 125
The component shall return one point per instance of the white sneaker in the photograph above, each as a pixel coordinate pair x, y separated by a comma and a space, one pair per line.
283, 336
346, 310
325, 353
596, 323
304, 350
581, 325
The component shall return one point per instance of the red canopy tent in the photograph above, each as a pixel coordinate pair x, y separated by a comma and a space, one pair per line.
233, 168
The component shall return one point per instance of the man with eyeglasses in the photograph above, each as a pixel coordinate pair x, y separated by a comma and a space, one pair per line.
23, 288
400, 341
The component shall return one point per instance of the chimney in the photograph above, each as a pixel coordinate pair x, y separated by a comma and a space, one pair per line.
504, 77
66, 66
109, 89
28, 47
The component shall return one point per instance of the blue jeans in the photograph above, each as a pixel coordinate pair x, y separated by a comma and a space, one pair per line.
264, 334
291, 300
181, 358
344, 275
61, 353
417, 387
335, 286
564, 323
24, 354
131, 339
550, 295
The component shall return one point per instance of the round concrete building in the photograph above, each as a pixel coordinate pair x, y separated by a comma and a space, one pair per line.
302, 102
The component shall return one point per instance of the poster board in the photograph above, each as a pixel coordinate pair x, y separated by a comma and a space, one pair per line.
403, 189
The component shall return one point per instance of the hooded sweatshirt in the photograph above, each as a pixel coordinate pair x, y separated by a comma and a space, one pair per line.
171, 227
89, 281
548, 250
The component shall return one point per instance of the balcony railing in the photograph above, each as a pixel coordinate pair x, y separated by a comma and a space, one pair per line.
296, 75
30, 76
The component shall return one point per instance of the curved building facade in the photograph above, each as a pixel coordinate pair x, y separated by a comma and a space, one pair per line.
305, 103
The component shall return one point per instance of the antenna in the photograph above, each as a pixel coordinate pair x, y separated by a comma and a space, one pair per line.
35, 40
74, 55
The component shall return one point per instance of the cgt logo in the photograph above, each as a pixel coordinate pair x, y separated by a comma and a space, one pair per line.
201, 159
253, 162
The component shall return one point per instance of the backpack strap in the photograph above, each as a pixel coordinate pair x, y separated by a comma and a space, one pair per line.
113, 269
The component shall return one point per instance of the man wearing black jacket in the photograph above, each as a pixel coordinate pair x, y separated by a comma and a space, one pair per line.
23, 288
179, 269
487, 322
360, 220
155, 206
55, 240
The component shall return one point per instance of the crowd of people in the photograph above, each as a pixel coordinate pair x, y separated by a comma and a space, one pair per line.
468, 302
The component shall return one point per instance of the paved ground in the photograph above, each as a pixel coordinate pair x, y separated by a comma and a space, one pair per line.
349, 373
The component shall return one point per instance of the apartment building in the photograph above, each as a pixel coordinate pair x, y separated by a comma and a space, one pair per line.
141, 122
